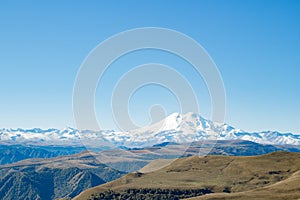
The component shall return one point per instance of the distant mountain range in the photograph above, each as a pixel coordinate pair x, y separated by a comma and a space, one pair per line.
15, 153
132, 159
29, 171
179, 128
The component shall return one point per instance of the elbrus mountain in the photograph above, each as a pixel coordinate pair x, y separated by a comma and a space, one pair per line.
175, 128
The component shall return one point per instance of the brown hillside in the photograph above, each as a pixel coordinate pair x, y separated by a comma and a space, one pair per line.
211, 173
286, 189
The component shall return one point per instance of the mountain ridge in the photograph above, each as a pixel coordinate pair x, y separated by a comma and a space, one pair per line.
53, 178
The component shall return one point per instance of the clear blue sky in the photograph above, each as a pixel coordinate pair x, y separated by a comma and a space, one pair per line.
255, 44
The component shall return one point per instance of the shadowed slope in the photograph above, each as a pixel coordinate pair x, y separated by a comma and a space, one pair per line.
53, 178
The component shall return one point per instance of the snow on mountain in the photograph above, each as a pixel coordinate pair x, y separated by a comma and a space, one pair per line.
179, 128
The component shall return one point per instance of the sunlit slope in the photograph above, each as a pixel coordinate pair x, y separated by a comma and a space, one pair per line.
212, 174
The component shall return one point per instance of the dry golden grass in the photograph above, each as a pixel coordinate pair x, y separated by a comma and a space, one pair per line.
286, 189
218, 173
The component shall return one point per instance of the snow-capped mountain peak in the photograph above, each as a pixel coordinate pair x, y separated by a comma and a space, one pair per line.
179, 128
